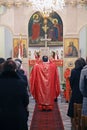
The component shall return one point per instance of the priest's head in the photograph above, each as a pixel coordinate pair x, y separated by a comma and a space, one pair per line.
45, 58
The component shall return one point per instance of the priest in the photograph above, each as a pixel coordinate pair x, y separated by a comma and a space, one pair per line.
44, 83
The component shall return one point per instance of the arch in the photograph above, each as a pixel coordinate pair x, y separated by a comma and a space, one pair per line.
2, 25
85, 25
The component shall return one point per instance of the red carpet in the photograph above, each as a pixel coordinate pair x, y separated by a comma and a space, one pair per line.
47, 120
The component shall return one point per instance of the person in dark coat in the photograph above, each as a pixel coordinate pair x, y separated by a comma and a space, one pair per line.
21, 73
83, 89
14, 99
76, 96
2, 60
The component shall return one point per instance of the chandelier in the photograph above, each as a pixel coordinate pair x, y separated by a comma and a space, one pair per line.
43, 5
47, 6
38, 5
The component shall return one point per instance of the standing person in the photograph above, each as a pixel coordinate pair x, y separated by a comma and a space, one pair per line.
83, 89
76, 96
2, 60
22, 69
14, 99
21, 73
68, 89
44, 83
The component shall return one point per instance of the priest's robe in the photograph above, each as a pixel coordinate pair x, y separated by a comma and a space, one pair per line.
44, 84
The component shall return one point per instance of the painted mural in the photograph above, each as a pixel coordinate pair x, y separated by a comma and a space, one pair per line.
41, 29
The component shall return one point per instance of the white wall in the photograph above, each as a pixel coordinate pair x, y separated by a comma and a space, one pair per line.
2, 41
83, 42
8, 43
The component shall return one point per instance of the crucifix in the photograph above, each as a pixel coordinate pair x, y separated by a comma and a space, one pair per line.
46, 40
45, 50
45, 28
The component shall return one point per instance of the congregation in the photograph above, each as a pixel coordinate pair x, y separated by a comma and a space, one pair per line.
44, 87
14, 95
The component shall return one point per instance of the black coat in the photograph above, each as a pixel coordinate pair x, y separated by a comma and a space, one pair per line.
22, 76
76, 96
13, 102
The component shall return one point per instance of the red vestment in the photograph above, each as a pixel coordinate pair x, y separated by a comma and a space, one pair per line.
67, 91
44, 84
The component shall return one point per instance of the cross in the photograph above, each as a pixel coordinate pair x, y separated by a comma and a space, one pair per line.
46, 40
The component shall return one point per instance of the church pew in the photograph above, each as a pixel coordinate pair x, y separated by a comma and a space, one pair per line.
83, 122
77, 116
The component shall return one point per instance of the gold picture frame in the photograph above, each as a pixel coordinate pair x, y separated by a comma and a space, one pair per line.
71, 47
22, 44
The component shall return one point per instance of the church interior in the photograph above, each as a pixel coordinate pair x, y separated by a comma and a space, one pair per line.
30, 29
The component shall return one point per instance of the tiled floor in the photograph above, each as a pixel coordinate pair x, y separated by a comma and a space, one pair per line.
63, 109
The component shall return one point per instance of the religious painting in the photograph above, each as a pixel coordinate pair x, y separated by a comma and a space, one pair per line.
20, 48
45, 31
71, 48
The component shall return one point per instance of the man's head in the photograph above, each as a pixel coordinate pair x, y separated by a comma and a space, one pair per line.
18, 63
19, 60
9, 66
9, 58
45, 58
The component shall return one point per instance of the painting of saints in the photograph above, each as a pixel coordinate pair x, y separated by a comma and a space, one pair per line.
24, 51
39, 25
35, 28
71, 50
56, 28
17, 46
